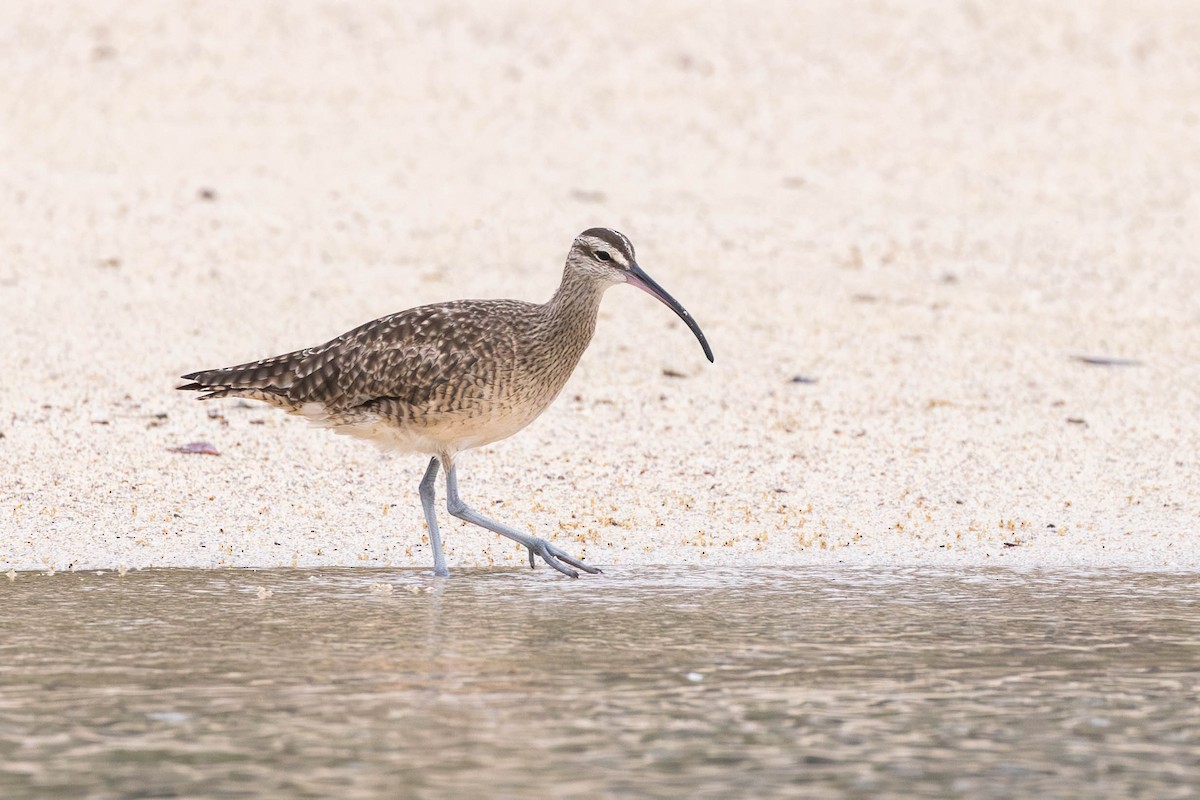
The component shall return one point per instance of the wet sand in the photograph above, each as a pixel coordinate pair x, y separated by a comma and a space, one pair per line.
901, 226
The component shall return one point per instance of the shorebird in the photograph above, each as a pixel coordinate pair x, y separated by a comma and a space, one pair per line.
444, 378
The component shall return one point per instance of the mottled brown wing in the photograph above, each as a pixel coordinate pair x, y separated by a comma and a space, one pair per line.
415, 356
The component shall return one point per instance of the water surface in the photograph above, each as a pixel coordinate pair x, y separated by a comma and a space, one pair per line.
646, 682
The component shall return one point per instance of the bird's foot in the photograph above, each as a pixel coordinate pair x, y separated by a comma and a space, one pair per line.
556, 558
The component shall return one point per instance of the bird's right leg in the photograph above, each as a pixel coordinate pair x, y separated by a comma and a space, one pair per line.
428, 496
540, 547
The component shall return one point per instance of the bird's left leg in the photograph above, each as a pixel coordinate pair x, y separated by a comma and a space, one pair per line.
428, 495
540, 547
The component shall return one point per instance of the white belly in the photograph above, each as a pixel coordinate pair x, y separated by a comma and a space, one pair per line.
441, 434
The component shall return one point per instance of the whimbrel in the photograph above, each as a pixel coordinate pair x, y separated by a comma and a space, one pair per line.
444, 378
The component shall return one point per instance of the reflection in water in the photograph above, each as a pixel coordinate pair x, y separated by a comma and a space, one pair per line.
647, 682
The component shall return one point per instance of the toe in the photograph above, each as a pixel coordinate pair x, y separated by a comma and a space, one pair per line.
565, 570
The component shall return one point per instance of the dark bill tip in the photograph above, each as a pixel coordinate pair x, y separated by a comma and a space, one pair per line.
638, 277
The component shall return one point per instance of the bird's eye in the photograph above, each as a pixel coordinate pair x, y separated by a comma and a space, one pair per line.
603, 256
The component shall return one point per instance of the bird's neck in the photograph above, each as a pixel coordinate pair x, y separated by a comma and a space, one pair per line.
574, 307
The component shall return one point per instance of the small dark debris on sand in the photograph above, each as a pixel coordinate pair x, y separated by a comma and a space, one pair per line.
1105, 361
196, 449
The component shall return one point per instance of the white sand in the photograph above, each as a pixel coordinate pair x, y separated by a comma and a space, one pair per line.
928, 208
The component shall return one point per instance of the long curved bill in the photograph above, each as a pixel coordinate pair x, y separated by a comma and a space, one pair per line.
637, 277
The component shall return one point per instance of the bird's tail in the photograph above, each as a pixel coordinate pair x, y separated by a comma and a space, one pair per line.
267, 379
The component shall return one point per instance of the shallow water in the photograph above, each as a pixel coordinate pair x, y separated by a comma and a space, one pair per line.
644, 682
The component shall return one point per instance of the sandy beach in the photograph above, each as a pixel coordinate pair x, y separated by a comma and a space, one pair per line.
945, 255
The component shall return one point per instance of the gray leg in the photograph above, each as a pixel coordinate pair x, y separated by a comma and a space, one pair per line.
428, 495
549, 553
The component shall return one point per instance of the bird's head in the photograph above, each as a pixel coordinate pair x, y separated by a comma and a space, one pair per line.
607, 256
